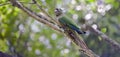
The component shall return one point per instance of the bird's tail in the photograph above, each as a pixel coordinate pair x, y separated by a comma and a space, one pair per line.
80, 32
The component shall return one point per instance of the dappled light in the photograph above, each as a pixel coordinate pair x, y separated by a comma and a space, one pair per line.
60, 28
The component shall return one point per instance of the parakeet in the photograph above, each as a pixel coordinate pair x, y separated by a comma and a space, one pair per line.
69, 23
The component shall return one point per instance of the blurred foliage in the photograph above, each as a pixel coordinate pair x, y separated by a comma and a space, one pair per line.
22, 35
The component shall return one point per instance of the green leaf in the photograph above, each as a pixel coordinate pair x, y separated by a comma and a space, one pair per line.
3, 46
103, 30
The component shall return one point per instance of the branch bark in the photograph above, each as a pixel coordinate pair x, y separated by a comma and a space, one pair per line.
79, 42
71, 34
5, 54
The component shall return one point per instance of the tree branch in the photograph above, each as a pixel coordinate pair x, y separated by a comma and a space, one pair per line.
39, 17
79, 42
40, 7
70, 33
5, 54
105, 38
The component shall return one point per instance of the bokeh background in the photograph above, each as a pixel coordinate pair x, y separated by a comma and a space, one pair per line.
21, 35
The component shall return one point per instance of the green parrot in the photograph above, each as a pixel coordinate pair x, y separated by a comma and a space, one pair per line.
63, 20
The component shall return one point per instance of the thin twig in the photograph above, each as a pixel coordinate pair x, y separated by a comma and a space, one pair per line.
50, 18
39, 17
8, 3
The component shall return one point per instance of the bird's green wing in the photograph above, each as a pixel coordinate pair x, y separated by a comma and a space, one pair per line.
66, 21
69, 24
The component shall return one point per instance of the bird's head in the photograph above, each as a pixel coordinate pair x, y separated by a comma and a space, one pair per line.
58, 12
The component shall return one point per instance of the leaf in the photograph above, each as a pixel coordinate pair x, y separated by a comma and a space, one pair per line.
103, 30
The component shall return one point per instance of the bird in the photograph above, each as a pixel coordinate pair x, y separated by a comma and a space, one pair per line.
66, 22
